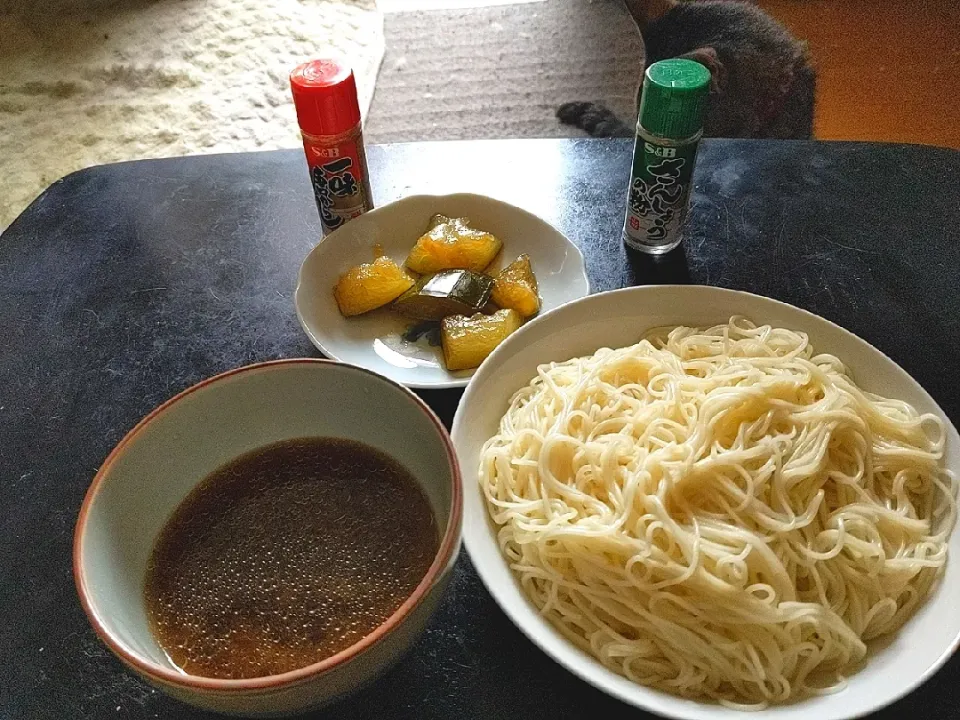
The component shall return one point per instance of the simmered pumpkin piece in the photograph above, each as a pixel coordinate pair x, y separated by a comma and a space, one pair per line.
468, 340
449, 292
371, 285
516, 287
451, 244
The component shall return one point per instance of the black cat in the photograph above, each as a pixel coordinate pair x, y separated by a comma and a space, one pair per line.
762, 81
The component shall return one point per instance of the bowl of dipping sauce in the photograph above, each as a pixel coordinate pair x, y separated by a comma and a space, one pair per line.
271, 538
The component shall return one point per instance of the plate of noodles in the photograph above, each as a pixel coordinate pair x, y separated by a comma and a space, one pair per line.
698, 499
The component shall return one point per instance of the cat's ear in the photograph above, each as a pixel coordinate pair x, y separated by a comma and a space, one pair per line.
707, 56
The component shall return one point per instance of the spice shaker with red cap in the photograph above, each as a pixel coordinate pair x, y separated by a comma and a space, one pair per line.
325, 98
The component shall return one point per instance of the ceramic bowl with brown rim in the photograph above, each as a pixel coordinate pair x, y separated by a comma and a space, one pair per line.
169, 452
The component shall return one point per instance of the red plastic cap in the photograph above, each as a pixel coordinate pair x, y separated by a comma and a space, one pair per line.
325, 96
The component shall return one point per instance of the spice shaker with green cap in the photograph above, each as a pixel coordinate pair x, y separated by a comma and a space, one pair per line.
669, 127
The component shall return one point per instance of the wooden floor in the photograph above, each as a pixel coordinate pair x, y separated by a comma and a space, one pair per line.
886, 69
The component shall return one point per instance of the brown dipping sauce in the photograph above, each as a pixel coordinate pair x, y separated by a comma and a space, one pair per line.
286, 556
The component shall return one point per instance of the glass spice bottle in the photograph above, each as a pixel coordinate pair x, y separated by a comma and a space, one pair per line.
325, 98
669, 126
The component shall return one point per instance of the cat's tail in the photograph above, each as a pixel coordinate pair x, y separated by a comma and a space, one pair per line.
597, 120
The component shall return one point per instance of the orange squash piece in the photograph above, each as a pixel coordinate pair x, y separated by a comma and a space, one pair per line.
451, 244
516, 287
468, 340
371, 285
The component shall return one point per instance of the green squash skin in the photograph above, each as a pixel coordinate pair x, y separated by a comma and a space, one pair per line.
448, 292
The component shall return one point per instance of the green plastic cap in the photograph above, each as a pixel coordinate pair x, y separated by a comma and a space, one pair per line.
674, 98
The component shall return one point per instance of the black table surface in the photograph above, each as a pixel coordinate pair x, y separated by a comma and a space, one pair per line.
124, 284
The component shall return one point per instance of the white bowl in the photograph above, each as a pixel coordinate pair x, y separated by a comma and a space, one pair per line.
373, 340
619, 318
160, 461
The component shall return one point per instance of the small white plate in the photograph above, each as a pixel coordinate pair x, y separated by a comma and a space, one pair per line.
895, 665
373, 340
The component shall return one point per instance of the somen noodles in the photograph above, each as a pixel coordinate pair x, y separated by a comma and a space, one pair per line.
719, 513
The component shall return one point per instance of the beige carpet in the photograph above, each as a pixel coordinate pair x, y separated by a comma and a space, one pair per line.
154, 78
85, 82
501, 71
